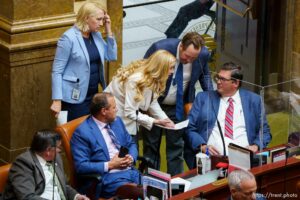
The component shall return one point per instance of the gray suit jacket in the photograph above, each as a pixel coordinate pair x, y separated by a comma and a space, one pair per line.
26, 179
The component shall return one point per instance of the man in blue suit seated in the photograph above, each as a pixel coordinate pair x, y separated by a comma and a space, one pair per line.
242, 185
230, 111
95, 146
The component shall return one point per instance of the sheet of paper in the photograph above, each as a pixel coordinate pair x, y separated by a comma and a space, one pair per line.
178, 126
239, 159
200, 180
62, 117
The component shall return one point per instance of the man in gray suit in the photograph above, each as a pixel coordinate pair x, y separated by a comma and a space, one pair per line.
38, 173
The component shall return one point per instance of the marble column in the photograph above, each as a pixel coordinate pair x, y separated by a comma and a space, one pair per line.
29, 30
115, 10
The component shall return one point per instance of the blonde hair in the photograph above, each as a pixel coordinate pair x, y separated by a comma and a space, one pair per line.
88, 9
155, 71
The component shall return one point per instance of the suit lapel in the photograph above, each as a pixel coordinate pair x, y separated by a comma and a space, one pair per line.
246, 110
38, 166
98, 136
82, 45
99, 46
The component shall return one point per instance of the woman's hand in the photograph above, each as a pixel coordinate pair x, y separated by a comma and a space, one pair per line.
165, 122
56, 107
107, 24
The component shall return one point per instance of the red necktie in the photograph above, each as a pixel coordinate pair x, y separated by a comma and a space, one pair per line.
229, 119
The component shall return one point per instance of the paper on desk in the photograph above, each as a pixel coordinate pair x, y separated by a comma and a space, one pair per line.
200, 180
181, 181
62, 117
239, 158
177, 126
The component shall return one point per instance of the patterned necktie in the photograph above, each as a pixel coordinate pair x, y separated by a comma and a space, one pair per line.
229, 119
179, 94
56, 181
112, 136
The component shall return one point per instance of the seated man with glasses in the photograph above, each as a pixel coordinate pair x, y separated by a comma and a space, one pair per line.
38, 173
242, 185
231, 111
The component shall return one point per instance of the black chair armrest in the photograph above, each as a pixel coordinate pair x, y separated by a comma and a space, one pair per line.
95, 177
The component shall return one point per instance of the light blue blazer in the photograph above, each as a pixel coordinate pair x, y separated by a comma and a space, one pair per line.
71, 66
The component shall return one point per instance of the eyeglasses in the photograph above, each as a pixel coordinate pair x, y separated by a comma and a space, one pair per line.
220, 78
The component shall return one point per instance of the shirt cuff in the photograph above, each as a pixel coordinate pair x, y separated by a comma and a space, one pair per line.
106, 167
76, 196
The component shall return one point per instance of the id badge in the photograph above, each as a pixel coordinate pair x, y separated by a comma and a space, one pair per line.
75, 94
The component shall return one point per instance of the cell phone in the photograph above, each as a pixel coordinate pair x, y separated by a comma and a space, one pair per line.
123, 152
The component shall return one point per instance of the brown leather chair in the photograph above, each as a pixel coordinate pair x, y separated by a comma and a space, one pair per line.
66, 131
3, 176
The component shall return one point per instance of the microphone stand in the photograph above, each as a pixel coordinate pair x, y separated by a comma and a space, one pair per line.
219, 126
54, 170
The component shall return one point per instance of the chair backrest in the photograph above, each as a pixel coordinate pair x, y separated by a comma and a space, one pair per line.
66, 131
3, 176
187, 108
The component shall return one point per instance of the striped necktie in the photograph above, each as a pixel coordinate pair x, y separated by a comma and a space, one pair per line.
56, 181
229, 119
113, 136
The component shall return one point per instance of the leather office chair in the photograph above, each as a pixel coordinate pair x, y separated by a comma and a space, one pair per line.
66, 131
187, 108
3, 176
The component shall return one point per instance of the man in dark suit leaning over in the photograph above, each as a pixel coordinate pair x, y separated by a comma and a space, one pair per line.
31, 175
192, 57
95, 146
238, 112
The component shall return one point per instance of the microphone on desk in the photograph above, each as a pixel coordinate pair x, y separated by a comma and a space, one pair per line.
219, 127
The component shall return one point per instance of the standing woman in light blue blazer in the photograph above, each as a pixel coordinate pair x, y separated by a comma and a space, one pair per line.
78, 65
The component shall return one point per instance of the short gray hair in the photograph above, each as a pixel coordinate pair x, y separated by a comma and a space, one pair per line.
237, 176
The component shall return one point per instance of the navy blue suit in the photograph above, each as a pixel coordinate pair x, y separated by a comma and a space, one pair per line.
202, 119
186, 13
174, 141
90, 152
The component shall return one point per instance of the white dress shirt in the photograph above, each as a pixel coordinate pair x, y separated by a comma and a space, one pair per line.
48, 192
239, 127
170, 99
128, 107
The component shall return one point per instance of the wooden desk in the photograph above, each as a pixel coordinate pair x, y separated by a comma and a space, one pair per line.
273, 179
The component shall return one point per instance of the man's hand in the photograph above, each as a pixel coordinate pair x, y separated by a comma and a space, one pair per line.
211, 149
128, 161
81, 197
253, 148
120, 163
